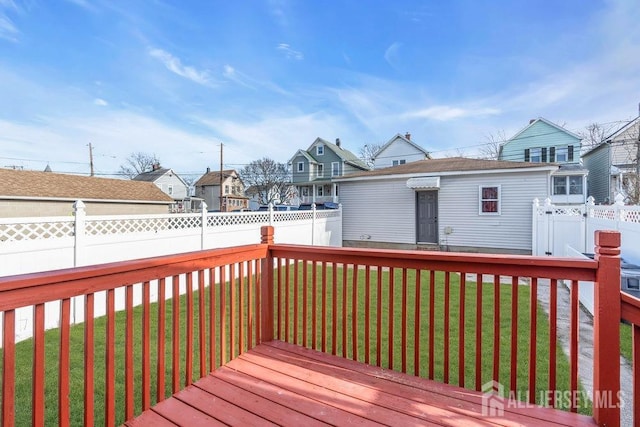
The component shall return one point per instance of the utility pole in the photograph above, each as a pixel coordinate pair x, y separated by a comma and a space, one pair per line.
221, 179
91, 158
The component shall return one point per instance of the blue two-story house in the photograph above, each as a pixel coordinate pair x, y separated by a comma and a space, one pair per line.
542, 141
313, 170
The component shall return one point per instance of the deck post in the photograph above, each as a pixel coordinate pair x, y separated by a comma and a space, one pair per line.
266, 287
606, 330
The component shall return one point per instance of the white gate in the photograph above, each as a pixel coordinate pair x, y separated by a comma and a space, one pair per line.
554, 227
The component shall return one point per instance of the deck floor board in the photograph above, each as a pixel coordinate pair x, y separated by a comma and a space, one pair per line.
283, 384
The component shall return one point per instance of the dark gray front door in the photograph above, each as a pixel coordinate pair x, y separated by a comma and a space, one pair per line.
427, 209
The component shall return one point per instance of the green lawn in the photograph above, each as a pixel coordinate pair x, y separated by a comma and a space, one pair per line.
24, 349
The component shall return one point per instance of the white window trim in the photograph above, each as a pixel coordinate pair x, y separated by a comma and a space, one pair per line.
337, 170
300, 166
320, 170
170, 189
319, 191
320, 150
563, 149
537, 149
480, 200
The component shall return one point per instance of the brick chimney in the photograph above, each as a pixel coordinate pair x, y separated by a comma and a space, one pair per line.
408, 136
208, 169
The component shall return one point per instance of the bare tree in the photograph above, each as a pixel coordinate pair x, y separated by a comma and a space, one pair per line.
594, 134
138, 163
367, 152
491, 150
267, 179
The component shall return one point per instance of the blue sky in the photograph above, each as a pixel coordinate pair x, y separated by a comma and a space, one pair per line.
177, 78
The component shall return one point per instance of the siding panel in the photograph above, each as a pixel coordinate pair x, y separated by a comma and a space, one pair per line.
385, 210
597, 162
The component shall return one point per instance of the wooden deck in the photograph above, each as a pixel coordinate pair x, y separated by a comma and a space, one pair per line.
282, 384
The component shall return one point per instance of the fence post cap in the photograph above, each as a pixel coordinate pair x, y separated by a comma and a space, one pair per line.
619, 199
591, 201
204, 206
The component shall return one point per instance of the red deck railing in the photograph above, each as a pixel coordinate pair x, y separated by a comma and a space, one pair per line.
171, 320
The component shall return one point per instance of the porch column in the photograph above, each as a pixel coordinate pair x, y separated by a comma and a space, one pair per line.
606, 330
313, 196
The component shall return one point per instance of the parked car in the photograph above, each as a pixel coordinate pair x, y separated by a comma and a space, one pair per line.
319, 206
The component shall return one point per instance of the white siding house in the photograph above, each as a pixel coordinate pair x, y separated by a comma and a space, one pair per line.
449, 204
398, 151
167, 181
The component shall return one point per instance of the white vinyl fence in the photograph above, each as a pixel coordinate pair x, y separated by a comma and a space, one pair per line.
29, 245
570, 231
556, 227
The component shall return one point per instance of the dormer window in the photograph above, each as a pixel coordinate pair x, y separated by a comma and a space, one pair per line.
320, 150
300, 166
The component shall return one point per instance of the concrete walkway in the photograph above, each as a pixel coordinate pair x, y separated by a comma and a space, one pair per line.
585, 347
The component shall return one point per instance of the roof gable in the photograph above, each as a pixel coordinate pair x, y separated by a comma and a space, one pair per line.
403, 139
542, 121
625, 128
345, 155
155, 175
213, 178
63, 186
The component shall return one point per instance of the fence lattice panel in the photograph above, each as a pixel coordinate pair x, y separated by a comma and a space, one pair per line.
23, 231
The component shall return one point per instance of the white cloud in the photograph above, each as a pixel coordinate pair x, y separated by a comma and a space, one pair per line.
8, 30
391, 54
445, 113
289, 52
174, 65
101, 102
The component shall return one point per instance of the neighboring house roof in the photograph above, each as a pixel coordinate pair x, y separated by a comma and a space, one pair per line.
154, 175
346, 155
622, 129
49, 185
541, 119
450, 165
405, 139
213, 178
614, 135
305, 155
532, 123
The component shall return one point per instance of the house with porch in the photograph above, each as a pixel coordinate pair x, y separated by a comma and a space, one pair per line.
452, 204
613, 165
397, 151
543, 141
231, 198
314, 169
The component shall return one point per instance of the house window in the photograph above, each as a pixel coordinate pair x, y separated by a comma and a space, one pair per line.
320, 171
335, 168
563, 185
226, 189
490, 200
535, 155
320, 191
320, 150
305, 191
399, 162
170, 190
562, 154
300, 166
